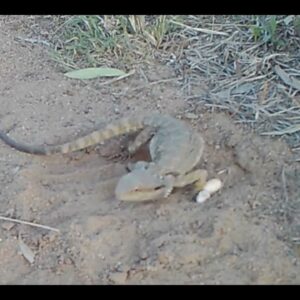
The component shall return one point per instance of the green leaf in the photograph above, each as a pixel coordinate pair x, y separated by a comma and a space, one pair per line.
90, 73
271, 27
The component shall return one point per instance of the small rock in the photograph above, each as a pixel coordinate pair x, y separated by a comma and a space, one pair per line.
10, 212
52, 237
68, 261
143, 255
119, 277
161, 212
191, 116
116, 110
165, 258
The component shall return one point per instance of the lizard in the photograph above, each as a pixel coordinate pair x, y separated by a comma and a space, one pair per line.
175, 149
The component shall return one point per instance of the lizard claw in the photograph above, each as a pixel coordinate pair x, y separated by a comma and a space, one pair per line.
169, 185
167, 192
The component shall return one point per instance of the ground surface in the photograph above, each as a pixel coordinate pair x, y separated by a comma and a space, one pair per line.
242, 235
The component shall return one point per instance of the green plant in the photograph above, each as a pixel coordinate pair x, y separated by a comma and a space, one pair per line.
266, 30
92, 41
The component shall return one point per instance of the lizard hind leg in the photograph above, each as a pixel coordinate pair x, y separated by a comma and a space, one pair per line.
142, 138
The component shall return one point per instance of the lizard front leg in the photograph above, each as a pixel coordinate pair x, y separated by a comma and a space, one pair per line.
198, 176
168, 185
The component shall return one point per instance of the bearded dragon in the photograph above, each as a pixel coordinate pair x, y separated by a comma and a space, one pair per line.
175, 149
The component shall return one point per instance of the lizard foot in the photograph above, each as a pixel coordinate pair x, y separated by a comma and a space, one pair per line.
200, 183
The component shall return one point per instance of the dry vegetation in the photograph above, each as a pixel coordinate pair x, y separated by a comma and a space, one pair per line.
250, 63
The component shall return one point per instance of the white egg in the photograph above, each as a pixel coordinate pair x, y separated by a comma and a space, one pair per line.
213, 185
209, 188
202, 196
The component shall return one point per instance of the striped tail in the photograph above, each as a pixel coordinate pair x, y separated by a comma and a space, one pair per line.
112, 130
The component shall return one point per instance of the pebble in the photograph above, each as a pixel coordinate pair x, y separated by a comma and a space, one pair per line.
118, 277
191, 116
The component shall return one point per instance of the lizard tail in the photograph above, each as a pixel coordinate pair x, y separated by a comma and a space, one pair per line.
39, 150
112, 130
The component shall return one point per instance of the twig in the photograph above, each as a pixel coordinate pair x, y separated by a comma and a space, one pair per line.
200, 29
216, 106
290, 129
272, 56
233, 84
29, 223
285, 194
32, 41
222, 42
154, 83
283, 179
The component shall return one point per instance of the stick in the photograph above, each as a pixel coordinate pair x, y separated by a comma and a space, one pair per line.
117, 78
200, 29
32, 41
289, 130
29, 223
286, 197
285, 193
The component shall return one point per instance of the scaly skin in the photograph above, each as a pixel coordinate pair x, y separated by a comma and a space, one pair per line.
110, 131
175, 150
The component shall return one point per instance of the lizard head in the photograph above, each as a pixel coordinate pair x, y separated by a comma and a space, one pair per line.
140, 185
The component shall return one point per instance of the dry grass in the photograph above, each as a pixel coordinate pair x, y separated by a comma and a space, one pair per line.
235, 55
251, 77
249, 64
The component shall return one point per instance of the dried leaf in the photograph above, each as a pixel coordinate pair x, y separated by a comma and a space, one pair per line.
243, 88
26, 251
287, 79
287, 20
90, 73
